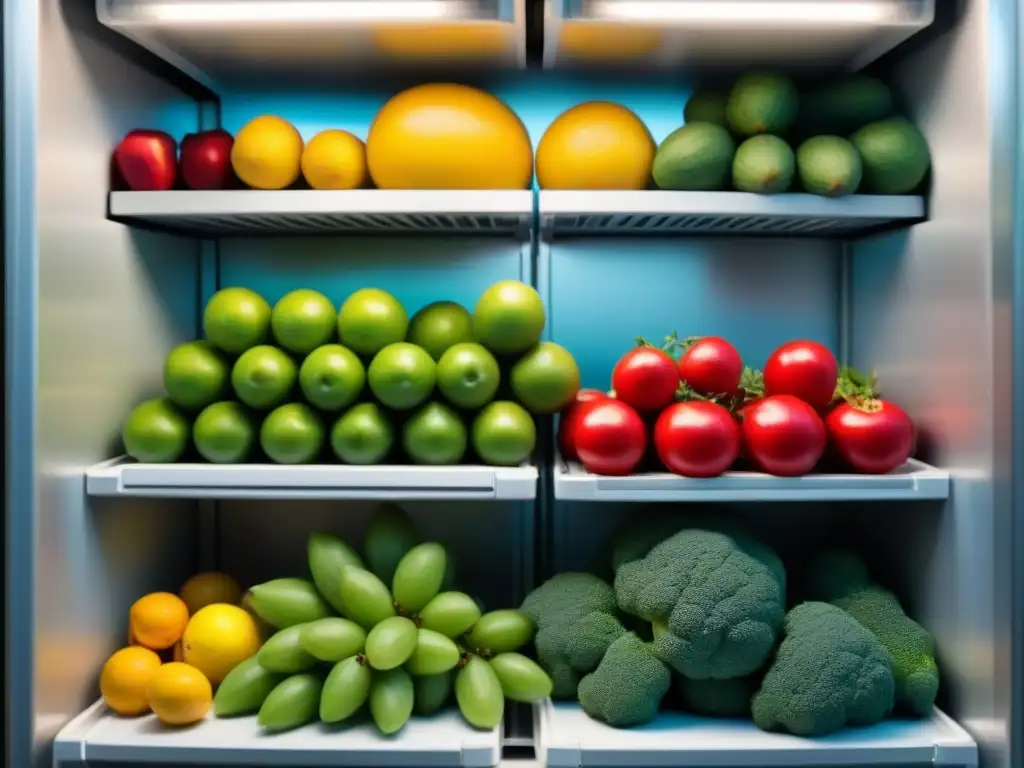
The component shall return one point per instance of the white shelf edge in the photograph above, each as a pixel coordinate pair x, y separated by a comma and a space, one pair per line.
568, 738
441, 741
915, 480
124, 477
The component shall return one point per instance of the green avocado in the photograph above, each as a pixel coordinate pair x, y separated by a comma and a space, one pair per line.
763, 164
695, 157
844, 106
762, 103
829, 166
706, 106
895, 156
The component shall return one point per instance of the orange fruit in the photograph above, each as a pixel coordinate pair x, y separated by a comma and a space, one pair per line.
125, 679
157, 620
218, 638
208, 588
179, 694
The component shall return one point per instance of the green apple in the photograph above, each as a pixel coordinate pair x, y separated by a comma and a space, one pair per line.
263, 376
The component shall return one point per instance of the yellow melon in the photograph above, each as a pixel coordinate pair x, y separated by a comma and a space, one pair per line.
443, 136
595, 145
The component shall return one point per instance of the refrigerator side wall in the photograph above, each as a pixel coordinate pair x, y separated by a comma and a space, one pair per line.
96, 308
932, 311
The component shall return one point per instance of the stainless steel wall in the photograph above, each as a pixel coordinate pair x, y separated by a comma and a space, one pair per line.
932, 309
92, 309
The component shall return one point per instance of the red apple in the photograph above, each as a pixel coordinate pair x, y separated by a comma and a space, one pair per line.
206, 159
147, 160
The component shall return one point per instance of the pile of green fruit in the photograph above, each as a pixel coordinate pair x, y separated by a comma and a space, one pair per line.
847, 135
362, 385
344, 640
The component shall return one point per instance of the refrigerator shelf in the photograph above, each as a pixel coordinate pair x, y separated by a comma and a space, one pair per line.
125, 477
573, 213
914, 481
363, 211
568, 738
442, 741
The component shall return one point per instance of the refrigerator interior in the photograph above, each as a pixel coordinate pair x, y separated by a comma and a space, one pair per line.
93, 306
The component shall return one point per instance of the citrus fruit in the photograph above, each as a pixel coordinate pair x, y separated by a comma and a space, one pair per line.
179, 694
195, 374
468, 375
292, 434
208, 588
335, 160
370, 319
156, 431
267, 153
223, 433
236, 319
263, 376
363, 435
125, 679
218, 638
157, 620
332, 377
509, 317
303, 320
545, 379
439, 326
402, 376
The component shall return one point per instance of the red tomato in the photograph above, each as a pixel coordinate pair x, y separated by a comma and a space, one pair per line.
697, 439
645, 378
611, 438
804, 369
873, 436
569, 419
711, 366
783, 435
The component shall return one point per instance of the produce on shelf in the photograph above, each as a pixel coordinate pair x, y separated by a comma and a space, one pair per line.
698, 156
702, 611
205, 161
829, 166
895, 155
868, 434
567, 424
706, 105
207, 588
335, 159
124, 679
609, 437
595, 145
842, 106
179, 694
445, 136
711, 366
267, 153
842, 578
763, 164
302, 395
762, 103
783, 435
805, 369
147, 160
828, 672
697, 439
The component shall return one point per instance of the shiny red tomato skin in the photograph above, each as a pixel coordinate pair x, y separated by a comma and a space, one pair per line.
872, 442
645, 378
569, 419
783, 435
697, 439
712, 366
805, 369
611, 438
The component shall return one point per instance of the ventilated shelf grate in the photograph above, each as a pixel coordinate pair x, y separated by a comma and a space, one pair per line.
231, 212
721, 213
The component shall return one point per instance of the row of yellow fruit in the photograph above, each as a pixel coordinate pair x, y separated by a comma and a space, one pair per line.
180, 647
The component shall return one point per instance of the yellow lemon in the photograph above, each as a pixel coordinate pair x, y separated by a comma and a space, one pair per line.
218, 638
335, 160
267, 153
125, 679
179, 694
208, 588
157, 620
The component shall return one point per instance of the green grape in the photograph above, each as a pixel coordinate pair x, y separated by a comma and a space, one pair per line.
391, 700
501, 631
244, 689
521, 678
432, 692
391, 643
367, 600
332, 639
450, 613
292, 703
346, 688
478, 691
434, 653
419, 576
390, 535
284, 602
327, 556
283, 652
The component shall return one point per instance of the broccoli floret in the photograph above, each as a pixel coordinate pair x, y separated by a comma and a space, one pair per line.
829, 672
717, 698
634, 540
842, 579
628, 685
576, 621
715, 601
